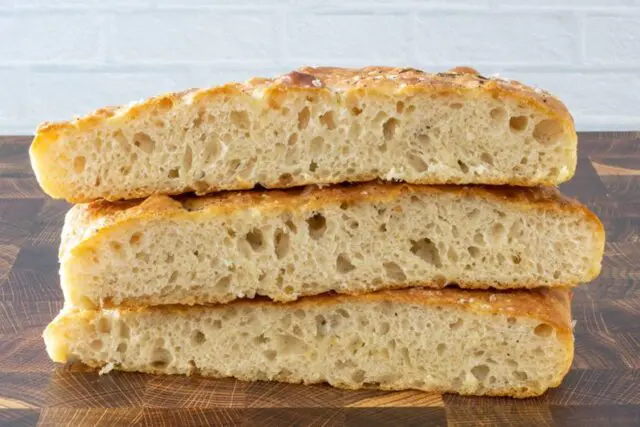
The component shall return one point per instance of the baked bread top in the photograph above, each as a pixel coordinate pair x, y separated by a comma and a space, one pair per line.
374, 80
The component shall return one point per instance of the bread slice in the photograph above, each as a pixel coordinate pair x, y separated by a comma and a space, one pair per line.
312, 126
349, 239
514, 343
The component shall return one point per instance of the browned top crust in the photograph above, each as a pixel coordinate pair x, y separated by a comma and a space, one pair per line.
91, 219
384, 80
550, 306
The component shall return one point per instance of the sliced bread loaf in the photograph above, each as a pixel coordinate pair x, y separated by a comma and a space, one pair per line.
312, 126
513, 343
349, 239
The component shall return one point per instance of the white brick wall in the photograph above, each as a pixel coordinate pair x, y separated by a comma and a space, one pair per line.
64, 57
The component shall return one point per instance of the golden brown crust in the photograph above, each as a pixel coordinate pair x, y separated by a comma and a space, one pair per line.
90, 219
552, 306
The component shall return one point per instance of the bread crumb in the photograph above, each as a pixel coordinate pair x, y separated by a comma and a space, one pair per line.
107, 368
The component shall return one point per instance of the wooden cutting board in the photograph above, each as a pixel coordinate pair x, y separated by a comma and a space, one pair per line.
603, 387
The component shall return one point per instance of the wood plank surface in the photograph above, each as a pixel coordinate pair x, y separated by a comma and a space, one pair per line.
602, 388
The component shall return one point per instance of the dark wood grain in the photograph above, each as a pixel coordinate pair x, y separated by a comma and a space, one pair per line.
603, 387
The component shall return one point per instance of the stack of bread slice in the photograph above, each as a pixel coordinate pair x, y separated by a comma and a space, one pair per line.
376, 227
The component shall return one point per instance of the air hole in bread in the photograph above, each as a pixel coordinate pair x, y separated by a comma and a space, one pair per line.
117, 248
547, 132
122, 347
212, 150
394, 272
426, 250
440, 349
160, 358
293, 138
282, 243
452, 256
478, 353
463, 166
384, 328
285, 179
480, 372
144, 142
240, 119
520, 375
358, 376
316, 145
313, 166
198, 337
516, 259
383, 228
478, 239
389, 128
300, 314
356, 111
104, 325
498, 233
223, 284
255, 239
511, 320
303, 118
135, 238
474, 252
543, 330
328, 120
173, 173
317, 225
498, 113
187, 159
142, 256
399, 107
518, 123
354, 131
270, 354
217, 324
289, 344
79, 164
456, 325
455, 106
321, 325
96, 344
423, 139
343, 264
416, 163
291, 226
487, 158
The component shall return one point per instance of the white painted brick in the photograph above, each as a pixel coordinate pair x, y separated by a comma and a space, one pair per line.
613, 39
194, 36
496, 38
55, 36
564, 4
348, 39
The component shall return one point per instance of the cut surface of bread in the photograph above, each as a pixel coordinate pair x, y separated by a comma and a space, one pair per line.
513, 343
312, 126
348, 239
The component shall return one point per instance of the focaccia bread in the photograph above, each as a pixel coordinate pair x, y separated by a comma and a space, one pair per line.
349, 239
312, 126
513, 343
